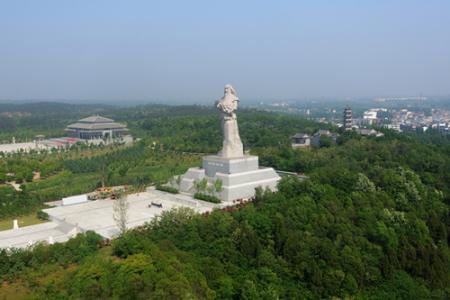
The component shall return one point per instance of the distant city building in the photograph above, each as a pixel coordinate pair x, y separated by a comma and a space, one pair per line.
395, 127
96, 127
420, 98
348, 119
370, 117
301, 140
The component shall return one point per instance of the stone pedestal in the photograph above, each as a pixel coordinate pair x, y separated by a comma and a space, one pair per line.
240, 176
216, 164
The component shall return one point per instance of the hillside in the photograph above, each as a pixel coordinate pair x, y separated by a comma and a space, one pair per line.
371, 222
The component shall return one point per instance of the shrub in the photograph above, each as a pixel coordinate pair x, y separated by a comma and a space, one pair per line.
166, 188
205, 197
43, 215
130, 243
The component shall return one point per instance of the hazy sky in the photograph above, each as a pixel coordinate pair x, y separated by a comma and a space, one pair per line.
187, 50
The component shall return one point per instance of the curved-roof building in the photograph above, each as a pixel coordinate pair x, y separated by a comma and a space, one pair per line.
96, 127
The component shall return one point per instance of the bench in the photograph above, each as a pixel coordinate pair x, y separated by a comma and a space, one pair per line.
155, 204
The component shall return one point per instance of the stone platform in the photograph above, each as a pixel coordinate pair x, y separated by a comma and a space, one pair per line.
240, 176
66, 221
213, 164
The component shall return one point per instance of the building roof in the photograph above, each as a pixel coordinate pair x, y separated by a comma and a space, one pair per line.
366, 131
369, 131
300, 135
95, 119
323, 132
96, 123
94, 126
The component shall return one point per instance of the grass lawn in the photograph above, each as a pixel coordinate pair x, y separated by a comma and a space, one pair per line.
16, 290
25, 220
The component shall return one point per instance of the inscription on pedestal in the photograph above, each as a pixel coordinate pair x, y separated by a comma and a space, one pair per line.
210, 163
216, 164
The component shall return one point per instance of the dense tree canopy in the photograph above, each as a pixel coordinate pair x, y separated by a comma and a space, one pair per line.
371, 221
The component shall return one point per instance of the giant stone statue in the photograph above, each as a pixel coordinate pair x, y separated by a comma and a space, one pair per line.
239, 174
227, 105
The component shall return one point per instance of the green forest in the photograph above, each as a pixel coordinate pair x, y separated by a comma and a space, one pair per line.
371, 221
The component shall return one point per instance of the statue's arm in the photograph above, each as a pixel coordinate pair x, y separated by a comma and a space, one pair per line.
236, 103
228, 109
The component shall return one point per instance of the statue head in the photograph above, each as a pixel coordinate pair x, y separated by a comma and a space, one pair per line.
229, 102
229, 89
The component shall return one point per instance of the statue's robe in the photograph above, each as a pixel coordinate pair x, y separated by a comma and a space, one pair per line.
232, 144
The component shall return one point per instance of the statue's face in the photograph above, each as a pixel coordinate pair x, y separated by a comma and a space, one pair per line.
227, 90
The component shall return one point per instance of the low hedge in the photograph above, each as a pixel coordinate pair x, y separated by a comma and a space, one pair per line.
43, 215
205, 197
166, 188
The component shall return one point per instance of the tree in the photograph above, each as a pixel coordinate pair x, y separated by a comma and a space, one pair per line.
210, 189
325, 141
120, 216
218, 186
103, 173
363, 184
178, 180
200, 186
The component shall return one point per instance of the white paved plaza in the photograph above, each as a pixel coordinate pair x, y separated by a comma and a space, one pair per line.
66, 221
26, 236
8, 148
